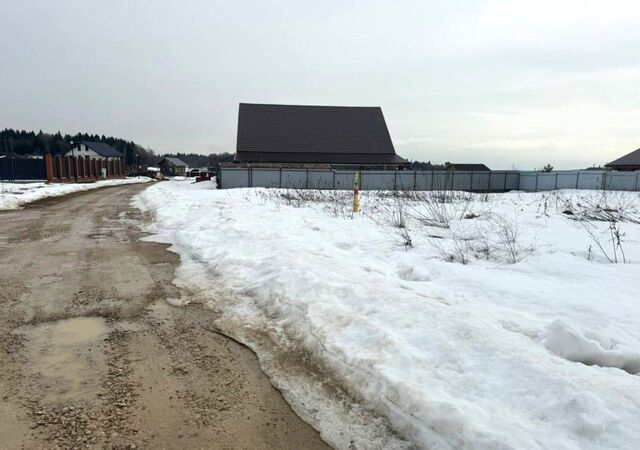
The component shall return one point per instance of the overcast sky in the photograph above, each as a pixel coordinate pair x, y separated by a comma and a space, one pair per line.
507, 83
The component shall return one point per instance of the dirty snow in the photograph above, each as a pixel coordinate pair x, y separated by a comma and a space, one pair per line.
541, 353
14, 195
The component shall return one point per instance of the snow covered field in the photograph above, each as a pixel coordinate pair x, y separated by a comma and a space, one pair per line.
488, 321
14, 195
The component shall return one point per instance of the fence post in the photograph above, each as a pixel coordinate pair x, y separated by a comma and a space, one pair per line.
48, 164
637, 178
307, 181
432, 178
415, 180
556, 185
536, 188
334, 179
395, 180
604, 181
59, 167
489, 186
471, 186
280, 179
68, 162
75, 168
578, 180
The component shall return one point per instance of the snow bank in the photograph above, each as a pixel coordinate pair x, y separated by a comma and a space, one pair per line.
569, 343
14, 195
483, 355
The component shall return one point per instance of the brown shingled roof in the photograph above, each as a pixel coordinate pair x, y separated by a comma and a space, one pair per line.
629, 160
314, 134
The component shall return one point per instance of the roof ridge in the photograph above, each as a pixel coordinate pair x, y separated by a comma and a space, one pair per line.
309, 106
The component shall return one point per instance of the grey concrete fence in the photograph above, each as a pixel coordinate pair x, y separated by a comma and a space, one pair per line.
493, 181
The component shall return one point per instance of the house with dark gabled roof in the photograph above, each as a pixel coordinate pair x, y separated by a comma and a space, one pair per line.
630, 161
314, 136
97, 150
172, 167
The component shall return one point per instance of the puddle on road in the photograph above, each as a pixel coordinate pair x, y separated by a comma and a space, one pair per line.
67, 358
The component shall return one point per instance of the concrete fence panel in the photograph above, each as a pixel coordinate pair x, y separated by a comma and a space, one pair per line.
268, 178
513, 181
460, 181
321, 179
381, 180
528, 181
294, 179
440, 181
497, 181
546, 181
621, 181
344, 179
480, 181
406, 181
590, 180
424, 181
234, 178
567, 180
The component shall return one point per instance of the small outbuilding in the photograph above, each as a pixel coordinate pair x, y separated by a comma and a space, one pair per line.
457, 167
172, 167
314, 136
628, 162
95, 150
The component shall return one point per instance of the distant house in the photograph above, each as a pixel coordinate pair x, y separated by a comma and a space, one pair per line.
421, 165
314, 136
628, 162
97, 150
466, 167
172, 167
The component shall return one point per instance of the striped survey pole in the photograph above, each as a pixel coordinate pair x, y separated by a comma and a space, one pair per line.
356, 193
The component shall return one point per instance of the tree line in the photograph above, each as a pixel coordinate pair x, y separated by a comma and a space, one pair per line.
20, 142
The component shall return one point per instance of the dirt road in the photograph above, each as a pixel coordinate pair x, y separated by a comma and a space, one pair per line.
92, 356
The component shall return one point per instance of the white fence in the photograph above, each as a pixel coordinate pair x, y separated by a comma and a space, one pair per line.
410, 180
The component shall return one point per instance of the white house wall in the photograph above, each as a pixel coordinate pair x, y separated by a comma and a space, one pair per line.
83, 150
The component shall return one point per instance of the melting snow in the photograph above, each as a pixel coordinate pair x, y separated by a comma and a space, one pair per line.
489, 355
